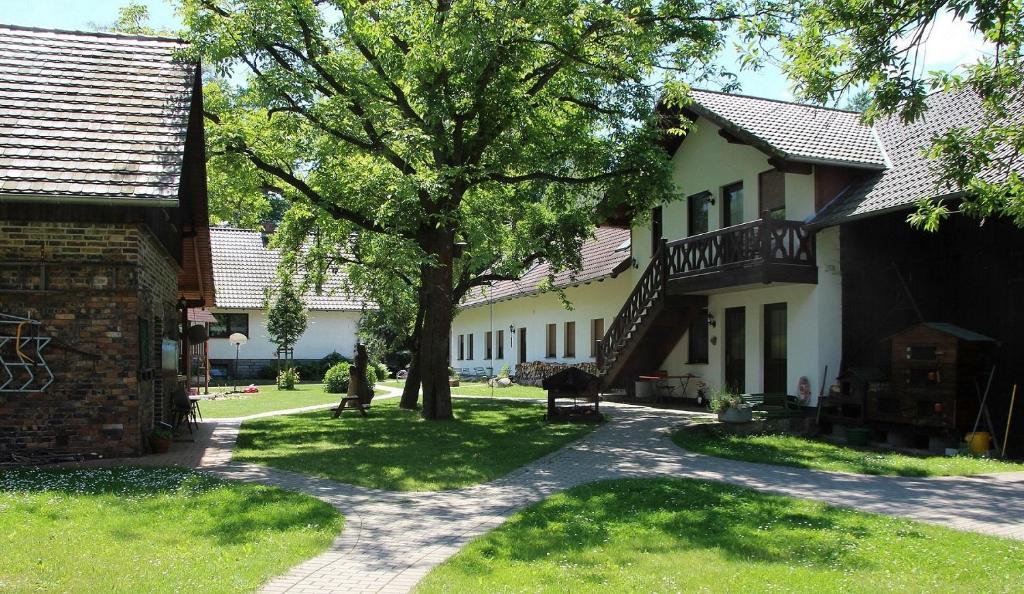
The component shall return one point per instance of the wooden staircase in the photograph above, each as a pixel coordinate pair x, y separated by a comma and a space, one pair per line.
648, 326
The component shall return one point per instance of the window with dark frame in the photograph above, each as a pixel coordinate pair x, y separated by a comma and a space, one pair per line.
698, 339
656, 228
771, 193
732, 204
229, 323
488, 345
501, 344
596, 335
570, 340
462, 347
698, 206
469, 347
552, 342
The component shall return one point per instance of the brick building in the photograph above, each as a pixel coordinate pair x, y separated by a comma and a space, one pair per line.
104, 239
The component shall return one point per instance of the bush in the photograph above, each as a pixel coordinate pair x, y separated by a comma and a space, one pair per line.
383, 372
505, 371
287, 379
721, 401
336, 378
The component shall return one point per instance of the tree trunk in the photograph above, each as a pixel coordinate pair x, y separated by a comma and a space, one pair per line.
411, 390
437, 294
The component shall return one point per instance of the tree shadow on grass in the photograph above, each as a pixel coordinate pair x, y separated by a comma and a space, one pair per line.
394, 449
676, 515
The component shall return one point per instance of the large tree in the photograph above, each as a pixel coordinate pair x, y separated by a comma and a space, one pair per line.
479, 136
840, 44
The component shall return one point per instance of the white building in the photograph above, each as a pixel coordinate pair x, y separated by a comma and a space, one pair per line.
742, 293
243, 268
513, 322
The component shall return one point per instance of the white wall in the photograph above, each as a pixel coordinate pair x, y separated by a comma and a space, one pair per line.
601, 299
328, 331
813, 329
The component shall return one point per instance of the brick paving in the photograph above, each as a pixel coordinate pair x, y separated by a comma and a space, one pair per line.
392, 539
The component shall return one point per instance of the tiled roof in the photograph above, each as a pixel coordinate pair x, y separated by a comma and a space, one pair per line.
912, 175
602, 256
793, 131
92, 115
243, 268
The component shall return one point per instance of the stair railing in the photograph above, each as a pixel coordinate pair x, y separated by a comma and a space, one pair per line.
648, 291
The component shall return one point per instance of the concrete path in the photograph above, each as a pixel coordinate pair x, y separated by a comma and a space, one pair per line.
391, 539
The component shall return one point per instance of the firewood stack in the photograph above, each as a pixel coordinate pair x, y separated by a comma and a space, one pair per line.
535, 372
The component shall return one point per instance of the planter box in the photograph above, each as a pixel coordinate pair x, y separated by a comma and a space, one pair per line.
736, 415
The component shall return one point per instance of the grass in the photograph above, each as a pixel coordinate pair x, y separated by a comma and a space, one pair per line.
129, 529
800, 452
269, 398
395, 449
679, 535
482, 389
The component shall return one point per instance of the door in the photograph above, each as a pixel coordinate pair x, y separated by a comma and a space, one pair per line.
736, 349
522, 345
775, 348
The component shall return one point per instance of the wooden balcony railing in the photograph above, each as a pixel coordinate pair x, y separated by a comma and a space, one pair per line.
766, 240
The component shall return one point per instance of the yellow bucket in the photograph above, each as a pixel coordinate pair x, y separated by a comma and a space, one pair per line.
978, 443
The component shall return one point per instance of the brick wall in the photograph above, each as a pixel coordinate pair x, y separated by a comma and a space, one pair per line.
89, 285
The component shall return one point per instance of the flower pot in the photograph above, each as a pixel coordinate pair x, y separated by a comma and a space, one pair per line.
160, 445
736, 415
453, 383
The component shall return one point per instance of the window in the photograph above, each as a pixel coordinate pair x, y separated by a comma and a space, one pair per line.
488, 345
552, 350
596, 335
697, 208
656, 231
462, 347
698, 333
570, 339
469, 348
501, 344
229, 323
732, 204
771, 192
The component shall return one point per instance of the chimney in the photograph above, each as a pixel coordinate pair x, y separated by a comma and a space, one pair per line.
268, 229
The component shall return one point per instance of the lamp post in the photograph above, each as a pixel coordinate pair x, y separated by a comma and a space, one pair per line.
237, 339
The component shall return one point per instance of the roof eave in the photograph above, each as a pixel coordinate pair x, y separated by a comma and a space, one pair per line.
87, 200
814, 225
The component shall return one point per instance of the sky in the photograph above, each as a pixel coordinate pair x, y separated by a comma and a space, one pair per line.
950, 42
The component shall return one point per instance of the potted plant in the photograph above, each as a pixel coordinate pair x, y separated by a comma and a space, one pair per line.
160, 438
730, 408
453, 378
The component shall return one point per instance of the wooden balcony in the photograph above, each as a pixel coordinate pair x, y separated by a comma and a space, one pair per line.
763, 251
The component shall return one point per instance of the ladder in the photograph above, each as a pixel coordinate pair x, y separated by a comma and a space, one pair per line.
23, 368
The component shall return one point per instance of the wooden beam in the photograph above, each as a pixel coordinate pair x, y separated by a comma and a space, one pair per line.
790, 166
730, 137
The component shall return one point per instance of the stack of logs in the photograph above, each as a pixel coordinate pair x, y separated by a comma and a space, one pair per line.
532, 374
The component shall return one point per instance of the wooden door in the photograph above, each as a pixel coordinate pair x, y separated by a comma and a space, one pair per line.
775, 348
522, 345
736, 349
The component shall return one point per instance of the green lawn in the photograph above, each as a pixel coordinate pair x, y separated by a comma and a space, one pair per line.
129, 529
790, 450
677, 535
482, 389
395, 449
267, 399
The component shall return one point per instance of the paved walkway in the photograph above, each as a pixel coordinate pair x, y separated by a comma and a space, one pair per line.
391, 539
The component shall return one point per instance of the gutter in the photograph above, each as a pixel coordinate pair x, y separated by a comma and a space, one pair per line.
86, 200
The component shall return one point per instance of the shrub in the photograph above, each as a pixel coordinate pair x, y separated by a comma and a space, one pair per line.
287, 379
336, 378
505, 371
383, 372
332, 359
